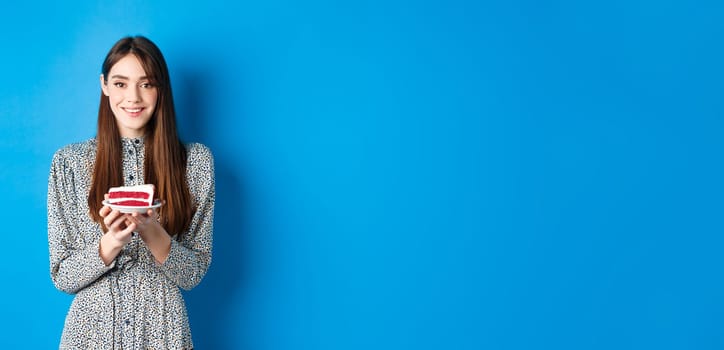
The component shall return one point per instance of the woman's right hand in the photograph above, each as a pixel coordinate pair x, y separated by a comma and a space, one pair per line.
120, 232
119, 227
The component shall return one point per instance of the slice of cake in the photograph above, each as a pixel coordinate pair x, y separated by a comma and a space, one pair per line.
131, 196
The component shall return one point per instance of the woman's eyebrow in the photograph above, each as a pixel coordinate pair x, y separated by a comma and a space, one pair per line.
118, 76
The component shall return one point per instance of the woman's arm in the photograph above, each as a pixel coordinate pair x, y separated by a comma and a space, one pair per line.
153, 234
188, 259
74, 258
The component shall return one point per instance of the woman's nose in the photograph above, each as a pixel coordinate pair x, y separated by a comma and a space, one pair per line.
133, 95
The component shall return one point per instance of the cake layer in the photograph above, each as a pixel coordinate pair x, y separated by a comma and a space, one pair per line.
132, 196
129, 194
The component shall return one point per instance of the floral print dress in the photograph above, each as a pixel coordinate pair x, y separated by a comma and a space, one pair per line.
135, 303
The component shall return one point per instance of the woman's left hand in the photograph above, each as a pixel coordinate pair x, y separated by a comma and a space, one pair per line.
144, 222
151, 232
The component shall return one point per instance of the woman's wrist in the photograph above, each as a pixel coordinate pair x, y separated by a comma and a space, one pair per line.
111, 242
158, 241
108, 248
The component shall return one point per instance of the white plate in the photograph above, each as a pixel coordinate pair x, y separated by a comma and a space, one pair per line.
129, 209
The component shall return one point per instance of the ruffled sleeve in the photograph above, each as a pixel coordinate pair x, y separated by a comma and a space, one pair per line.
189, 258
74, 261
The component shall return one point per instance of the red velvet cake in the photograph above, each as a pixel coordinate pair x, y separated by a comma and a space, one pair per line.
132, 196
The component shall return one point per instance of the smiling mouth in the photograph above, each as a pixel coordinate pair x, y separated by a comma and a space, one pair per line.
132, 110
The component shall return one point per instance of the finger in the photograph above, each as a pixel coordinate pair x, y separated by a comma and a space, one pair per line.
139, 215
115, 225
125, 234
144, 218
110, 217
105, 196
115, 215
132, 219
105, 210
129, 229
119, 223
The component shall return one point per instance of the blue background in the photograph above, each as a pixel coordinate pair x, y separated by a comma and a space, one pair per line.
405, 174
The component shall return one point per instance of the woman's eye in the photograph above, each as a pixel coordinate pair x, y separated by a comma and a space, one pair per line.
119, 84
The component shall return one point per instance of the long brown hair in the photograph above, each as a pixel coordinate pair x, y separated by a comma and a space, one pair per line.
165, 157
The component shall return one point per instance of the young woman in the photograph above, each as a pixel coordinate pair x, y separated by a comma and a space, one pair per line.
126, 269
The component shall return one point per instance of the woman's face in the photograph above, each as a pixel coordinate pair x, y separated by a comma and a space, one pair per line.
131, 96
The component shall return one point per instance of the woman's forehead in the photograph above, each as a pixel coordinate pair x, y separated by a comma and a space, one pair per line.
128, 67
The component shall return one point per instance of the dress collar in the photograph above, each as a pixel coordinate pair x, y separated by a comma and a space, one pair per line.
133, 140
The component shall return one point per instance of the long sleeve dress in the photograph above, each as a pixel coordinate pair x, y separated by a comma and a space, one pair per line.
135, 303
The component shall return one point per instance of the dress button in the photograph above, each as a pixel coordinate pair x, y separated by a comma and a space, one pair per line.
128, 322
130, 177
138, 141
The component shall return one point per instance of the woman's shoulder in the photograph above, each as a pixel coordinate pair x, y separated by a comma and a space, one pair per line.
77, 150
199, 155
198, 148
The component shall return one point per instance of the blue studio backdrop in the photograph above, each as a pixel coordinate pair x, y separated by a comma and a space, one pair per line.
405, 174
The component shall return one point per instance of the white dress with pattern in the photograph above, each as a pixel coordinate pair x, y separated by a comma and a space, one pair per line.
135, 303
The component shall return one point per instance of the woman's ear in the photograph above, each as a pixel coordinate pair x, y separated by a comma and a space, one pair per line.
104, 86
